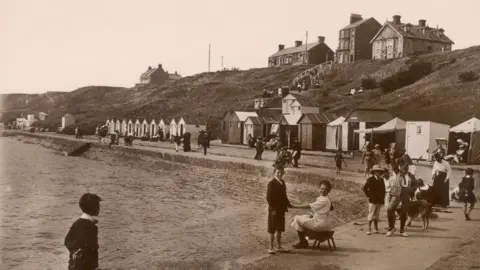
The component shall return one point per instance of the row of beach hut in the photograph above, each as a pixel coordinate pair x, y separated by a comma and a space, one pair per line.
330, 132
141, 127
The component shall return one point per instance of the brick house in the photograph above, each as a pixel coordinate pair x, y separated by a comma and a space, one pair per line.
354, 39
157, 76
301, 54
396, 39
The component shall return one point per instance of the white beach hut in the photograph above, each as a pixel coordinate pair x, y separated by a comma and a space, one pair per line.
421, 137
334, 134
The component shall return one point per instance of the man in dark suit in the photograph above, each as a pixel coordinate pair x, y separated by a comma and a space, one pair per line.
278, 205
297, 149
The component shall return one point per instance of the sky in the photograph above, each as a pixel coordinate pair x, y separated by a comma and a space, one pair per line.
58, 45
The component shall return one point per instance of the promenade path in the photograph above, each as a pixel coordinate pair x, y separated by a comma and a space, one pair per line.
355, 249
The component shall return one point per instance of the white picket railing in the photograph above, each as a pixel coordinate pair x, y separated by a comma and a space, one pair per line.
313, 73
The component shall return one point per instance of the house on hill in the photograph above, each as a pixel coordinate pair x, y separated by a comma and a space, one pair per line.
302, 54
157, 76
354, 39
396, 39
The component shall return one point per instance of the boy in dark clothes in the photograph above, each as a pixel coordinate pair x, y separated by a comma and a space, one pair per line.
338, 161
82, 238
374, 189
297, 152
466, 190
278, 205
259, 148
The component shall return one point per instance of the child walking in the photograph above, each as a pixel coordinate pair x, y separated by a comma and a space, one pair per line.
467, 196
374, 189
338, 160
82, 238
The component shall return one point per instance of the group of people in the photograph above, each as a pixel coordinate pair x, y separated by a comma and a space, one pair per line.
278, 205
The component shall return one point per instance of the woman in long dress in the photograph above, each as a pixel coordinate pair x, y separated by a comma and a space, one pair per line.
441, 173
317, 222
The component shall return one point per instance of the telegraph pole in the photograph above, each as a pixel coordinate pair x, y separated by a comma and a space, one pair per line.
209, 47
306, 51
222, 62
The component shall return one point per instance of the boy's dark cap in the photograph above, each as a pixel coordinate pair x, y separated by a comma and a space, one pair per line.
469, 171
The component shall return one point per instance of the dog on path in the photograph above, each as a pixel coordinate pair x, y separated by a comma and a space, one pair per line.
418, 208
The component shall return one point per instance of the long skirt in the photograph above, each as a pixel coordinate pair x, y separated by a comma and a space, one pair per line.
301, 222
441, 189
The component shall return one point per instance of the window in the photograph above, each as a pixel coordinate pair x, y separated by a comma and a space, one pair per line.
419, 129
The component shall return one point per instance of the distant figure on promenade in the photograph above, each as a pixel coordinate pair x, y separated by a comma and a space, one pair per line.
82, 238
402, 191
338, 161
367, 160
178, 141
467, 196
320, 221
77, 132
278, 205
377, 154
297, 152
203, 141
259, 149
441, 173
374, 189
186, 142
96, 131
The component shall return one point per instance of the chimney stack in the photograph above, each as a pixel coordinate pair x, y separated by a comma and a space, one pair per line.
281, 47
159, 65
298, 43
422, 23
396, 19
321, 39
355, 18
149, 67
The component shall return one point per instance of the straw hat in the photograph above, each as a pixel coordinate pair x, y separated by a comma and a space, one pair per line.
377, 168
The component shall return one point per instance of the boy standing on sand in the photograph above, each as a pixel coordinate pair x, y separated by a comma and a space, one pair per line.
374, 189
278, 205
467, 186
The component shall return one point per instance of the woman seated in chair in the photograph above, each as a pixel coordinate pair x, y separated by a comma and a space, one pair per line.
319, 221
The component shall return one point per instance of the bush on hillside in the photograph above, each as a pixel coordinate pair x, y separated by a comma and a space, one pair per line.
369, 83
404, 78
467, 76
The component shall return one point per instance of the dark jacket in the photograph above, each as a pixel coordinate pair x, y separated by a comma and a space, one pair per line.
259, 146
468, 185
277, 196
178, 140
83, 235
297, 148
374, 189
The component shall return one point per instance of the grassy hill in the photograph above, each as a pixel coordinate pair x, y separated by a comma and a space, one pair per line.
438, 96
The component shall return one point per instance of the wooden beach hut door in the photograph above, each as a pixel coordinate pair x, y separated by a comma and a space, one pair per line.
305, 136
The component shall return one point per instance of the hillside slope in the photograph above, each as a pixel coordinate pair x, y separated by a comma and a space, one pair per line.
439, 96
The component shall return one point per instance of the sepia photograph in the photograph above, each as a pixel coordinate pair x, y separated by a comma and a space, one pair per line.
239, 135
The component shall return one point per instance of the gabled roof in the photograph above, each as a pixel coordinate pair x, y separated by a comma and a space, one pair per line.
174, 76
242, 116
415, 32
255, 120
298, 49
148, 73
471, 125
337, 121
291, 120
356, 24
369, 116
392, 125
318, 118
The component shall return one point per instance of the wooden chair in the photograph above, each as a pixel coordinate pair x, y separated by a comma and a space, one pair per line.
321, 237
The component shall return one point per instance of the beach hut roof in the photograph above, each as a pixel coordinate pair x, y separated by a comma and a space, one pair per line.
337, 121
471, 125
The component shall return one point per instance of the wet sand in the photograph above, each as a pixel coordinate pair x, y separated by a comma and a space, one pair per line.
153, 211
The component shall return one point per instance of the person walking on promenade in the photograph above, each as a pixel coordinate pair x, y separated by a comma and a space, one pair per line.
82, 238
205, 142
367, 160
259, 149
377, 155
441, 173
467, 196
403, 188
200, 139
278, 205
297, 152
374, 189
178, 141
338, 160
